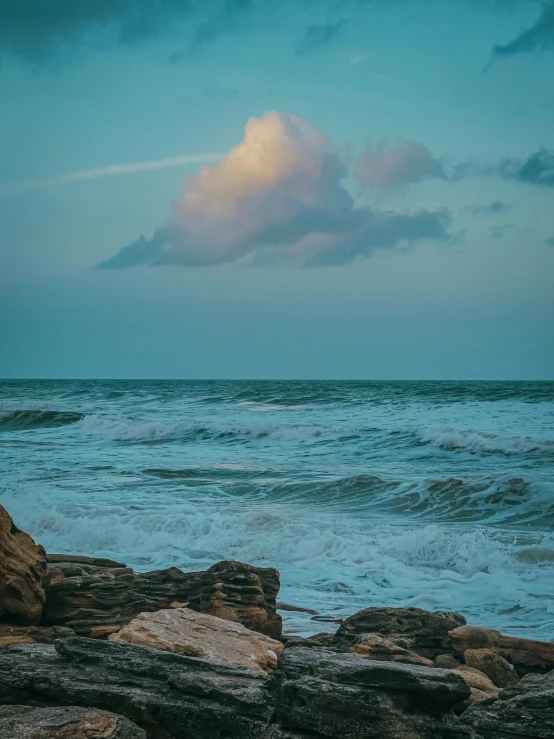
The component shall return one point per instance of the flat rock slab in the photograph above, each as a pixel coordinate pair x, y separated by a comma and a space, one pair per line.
182, 631
26, 722
313, 694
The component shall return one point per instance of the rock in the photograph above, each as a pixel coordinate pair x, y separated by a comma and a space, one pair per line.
182, 631
299, 609
446, 661
313, 694
480, 685
22, 569
324, 639
421, 631
32, 634
340, 696
169, 696
493, 665
25, 722
524, 711
526, 655
96, 597
373, 646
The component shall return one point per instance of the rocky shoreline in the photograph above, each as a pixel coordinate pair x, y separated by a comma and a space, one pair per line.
91, 649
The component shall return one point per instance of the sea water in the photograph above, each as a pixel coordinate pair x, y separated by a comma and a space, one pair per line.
438, 495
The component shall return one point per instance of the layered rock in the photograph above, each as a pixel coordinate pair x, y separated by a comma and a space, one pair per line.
96, 597
340, 696
169, 696
68, 722
32, 634
526, 655
22, 569
313, 693
423, 632
522, 711
182, 631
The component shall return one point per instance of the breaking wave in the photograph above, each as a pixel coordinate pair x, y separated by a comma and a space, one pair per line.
36, 419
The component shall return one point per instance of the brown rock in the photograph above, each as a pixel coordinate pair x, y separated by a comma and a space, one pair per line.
96, 597
446, 661
182, 631
25, 722
493, 665
480, 685
373, 646
22, 568
526, 655
421, 631
32, 634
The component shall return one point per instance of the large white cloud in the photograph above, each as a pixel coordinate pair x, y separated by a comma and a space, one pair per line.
280, 192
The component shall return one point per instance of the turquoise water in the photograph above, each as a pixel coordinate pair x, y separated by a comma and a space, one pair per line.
436, 495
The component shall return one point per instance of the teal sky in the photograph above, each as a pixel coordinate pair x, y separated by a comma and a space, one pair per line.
393, 217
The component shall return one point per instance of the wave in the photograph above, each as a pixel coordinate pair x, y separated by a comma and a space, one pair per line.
333, 563
33, 419
452, 439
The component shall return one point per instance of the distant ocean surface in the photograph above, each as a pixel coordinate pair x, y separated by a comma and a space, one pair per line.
438, 495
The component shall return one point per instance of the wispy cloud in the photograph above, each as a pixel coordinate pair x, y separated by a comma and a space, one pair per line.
539, 36
320, 35
109, 170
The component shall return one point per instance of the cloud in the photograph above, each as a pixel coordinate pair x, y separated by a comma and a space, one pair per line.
277, 195
388, 167
110, 170
492, 209
34, 29
318, 36
539, 36
537, 169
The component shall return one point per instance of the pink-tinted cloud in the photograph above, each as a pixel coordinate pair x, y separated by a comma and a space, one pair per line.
388, 167
279, 192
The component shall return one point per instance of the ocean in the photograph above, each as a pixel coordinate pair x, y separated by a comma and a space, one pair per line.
438, 495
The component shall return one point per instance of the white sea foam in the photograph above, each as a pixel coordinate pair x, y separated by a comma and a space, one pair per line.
327, 562
477, 441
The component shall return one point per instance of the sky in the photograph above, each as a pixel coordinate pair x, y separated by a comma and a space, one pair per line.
357, 189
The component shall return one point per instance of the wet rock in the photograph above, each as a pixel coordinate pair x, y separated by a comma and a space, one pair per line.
420, 631
298, 609
96, 597
480, 685
446, 661
340, 696
522, 711
373, 646
493, 665
526, 655
25, 722
32, 634
22, 569
182, 631
313, 693
169, 696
